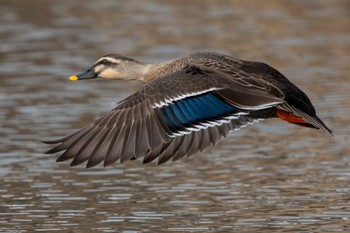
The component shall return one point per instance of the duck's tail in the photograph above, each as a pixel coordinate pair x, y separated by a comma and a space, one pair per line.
293, 115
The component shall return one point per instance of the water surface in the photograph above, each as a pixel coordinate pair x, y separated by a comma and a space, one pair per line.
271, 177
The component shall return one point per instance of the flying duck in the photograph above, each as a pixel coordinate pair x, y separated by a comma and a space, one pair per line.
185, 106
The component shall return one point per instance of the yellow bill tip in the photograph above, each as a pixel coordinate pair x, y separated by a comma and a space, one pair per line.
73, 78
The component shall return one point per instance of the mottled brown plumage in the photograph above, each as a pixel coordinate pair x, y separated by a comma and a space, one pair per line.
187, 105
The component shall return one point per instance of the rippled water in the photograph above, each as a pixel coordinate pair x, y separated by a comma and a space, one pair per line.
271, 177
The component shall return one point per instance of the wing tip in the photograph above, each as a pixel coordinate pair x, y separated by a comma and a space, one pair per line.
54, 150
60, 159
52, 141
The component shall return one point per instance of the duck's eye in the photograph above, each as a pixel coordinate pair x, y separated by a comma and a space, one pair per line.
105, 62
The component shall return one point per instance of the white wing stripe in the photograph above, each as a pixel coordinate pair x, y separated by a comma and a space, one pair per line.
168, 101
209, 124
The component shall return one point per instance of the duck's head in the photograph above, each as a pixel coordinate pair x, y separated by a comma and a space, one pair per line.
113, 66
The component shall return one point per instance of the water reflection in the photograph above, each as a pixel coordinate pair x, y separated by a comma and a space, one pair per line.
269, 177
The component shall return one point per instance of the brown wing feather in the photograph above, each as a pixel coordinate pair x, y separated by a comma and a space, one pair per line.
136, 127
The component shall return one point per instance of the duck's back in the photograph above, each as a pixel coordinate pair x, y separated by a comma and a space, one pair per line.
274, 83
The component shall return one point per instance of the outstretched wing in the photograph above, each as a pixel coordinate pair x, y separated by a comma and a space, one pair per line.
171, 117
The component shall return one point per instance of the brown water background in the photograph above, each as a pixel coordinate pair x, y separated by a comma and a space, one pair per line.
270, 177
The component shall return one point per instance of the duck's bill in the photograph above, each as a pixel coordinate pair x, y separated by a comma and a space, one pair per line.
85, 75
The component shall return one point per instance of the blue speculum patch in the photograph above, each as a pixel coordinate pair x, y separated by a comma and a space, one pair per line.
196, 109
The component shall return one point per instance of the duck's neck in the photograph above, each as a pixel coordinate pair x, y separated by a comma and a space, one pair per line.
154, 71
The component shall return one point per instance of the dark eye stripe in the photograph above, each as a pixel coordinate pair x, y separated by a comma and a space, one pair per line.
106, 62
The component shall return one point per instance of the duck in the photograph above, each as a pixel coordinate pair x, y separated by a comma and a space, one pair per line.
186, 105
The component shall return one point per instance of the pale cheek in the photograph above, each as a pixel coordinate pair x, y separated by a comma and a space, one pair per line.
110, 74
97, 69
